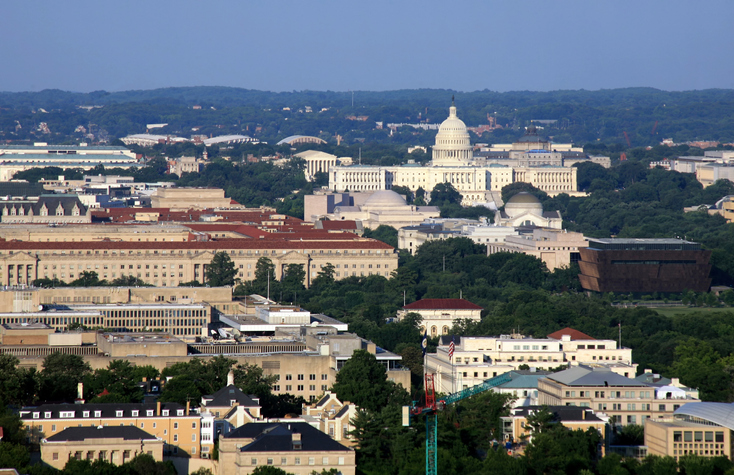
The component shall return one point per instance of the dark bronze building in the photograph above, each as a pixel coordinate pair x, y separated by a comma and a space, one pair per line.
644, 265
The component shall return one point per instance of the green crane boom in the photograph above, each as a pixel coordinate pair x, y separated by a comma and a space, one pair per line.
432, 407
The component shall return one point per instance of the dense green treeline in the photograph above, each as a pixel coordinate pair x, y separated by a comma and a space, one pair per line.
581, 116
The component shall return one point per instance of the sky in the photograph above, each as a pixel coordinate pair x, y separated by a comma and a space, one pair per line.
377, 45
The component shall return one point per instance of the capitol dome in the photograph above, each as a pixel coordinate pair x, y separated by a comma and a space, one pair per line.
452, 142
521, 203
385, 198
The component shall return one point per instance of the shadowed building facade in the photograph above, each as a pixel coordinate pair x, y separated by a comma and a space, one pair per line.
644, 265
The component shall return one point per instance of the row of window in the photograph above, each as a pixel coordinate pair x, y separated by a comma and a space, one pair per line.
301, 377
134, 413
296, 461
300, 387
612, 394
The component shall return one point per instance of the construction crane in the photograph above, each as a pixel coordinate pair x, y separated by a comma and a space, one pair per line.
654, 128
627, 138
432, 406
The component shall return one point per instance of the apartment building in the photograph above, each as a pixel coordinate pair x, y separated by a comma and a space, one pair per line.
625, 400
114, 444
295, 447
516, 429
174, 424
332, 416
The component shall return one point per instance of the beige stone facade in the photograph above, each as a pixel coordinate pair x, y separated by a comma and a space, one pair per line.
116, 450
172, 423
625, 400
556, 248
333, 417
675, 437
189, 198
439, 315
168, 264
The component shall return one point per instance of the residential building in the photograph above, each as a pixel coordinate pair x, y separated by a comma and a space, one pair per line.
625, 400
696, 428
295, 447
439, 315
175, 425
644, 265
515, 428
114, 444
224, 411
332, 416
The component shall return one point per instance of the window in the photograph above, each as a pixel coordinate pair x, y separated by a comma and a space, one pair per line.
175, 425
288, 377
193, 425
312, 377
85, 414
53, 427
97, 413
175, 437
324, 377
118, 413
283, 461
135, 414
270, 461
300, 387
253, 461
165, 412
66, 414
324, 460
149, 413
297, 461
193, 437
312, 461
300, 377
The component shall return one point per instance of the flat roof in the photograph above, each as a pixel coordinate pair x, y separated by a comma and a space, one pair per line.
643, 244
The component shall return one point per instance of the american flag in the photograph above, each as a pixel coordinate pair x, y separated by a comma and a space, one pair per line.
452, 347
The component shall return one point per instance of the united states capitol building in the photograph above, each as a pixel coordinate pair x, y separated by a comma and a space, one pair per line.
480, 176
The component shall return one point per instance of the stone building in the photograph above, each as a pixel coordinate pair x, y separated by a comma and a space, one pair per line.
114, 444
384, 208
453, 162
439, 315
555, 247
48, 209
295, 447
189, 198
525, 209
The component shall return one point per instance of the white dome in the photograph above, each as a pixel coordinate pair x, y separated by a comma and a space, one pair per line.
452, 126
452, 142
385, 198
523, 202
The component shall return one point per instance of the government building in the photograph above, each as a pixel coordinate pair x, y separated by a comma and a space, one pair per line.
479, 179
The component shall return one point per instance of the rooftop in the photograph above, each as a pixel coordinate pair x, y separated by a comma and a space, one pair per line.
442, 304
78, 434
640, 244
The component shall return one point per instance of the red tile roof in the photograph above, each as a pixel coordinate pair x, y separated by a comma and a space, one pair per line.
224, 245
440, 304
575, 334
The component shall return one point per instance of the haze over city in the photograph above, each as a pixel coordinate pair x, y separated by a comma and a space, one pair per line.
280, 46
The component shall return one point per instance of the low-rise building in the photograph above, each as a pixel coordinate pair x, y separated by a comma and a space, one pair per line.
515, 428
295, 447
114, 444
525, 209
189, 198
555, 247
696, 428
477, 358
644, 265
333, 417
175, 425
625, 400
439, 315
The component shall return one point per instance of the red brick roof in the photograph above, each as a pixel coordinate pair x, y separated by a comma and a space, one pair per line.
575, 334
441, 304
223, 245
351, 224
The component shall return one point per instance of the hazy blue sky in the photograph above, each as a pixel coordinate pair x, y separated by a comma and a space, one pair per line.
368, 45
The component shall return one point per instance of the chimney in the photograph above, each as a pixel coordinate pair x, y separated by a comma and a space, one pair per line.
158, 408
230, 378
583, 415
80, 391
188, 407
675, 382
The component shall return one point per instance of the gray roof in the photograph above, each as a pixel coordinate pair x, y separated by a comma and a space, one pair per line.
52, 202
77, 434
225, 396
561, 413
720, 413
593, 376
524, 381
278, 437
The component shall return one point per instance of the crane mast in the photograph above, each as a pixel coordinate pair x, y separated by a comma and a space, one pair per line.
432, 406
